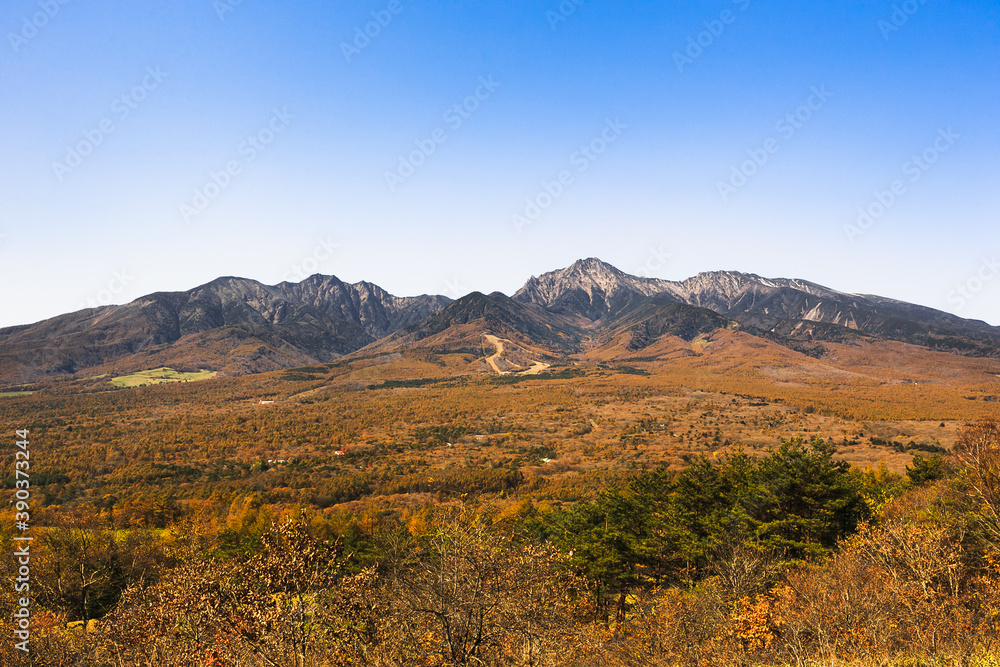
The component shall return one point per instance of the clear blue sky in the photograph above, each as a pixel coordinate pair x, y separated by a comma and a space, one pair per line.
113, 115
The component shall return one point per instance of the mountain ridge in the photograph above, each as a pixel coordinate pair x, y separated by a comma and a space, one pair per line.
318, 319
756, 302
238, 325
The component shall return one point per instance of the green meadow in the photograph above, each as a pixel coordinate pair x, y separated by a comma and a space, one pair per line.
159, 376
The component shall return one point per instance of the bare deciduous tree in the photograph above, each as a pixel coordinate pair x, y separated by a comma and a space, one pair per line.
978, 449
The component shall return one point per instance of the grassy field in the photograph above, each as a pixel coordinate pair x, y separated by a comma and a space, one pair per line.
8, 394
159, 376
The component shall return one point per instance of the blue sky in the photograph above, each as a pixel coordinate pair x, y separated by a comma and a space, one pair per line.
463, 146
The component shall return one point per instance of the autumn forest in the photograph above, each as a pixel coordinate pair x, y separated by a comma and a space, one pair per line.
386, 510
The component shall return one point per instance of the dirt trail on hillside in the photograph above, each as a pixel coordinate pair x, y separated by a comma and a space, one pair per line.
536, 368
491, 361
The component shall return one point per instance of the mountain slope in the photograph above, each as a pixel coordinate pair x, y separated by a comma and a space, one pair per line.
661, 316
780, 308
237, 326
589, 288
463, 321
230, 324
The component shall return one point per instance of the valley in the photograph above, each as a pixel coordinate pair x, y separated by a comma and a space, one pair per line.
447, 409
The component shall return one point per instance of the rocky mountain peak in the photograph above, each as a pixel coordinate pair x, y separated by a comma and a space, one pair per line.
589, 287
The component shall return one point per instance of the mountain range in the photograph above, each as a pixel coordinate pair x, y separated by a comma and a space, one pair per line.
239, 326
